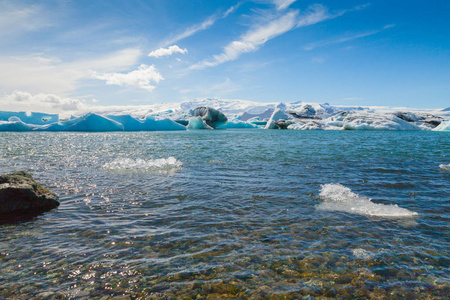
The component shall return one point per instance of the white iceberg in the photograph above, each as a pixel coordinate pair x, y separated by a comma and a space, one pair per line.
277, 115
375, 121
444, 167
337, 197
444, 126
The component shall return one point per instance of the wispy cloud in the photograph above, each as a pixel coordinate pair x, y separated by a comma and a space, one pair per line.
19, 18
140, 78
344, 39
167, 51
253, 39
283, 4
37, 73
208, 22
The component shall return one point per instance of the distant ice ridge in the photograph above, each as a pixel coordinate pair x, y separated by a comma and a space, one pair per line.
142, 164
445, 167
340, 198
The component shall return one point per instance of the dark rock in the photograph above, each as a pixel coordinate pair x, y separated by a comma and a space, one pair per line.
20, 193
211, 116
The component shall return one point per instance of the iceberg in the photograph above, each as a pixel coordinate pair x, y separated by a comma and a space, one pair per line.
373, 121
444, 126
212, 117
130, 123
34, 118
238, 125
88, 122
444, 167
15, 125
197, 123
337, 197
277, 115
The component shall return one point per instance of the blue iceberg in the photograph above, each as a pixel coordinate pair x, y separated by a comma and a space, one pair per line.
34, 118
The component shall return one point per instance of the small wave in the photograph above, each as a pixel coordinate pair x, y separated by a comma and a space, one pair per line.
445, 167
142, 164
340, 198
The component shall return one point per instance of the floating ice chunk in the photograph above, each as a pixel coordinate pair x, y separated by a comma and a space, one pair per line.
211, 116
444, 167
88, 122
151, 124
311, 125
128, 122
196, 123
374, 121
277, 115
340, 198
444, 126
15, 125
142, 164
237, 124
147, 124
34, 118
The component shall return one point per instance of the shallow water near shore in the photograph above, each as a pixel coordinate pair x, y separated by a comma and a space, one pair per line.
231, 213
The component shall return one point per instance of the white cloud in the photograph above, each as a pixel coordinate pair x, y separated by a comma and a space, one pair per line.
141, 78
260, 34
167, 51
49, 103
37, 73
208, 22
283, 4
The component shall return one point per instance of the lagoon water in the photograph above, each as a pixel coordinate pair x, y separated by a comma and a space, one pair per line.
231, 213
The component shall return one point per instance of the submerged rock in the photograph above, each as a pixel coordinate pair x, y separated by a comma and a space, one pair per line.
211, 116
20, 193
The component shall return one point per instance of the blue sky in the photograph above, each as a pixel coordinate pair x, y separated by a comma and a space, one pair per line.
385, 53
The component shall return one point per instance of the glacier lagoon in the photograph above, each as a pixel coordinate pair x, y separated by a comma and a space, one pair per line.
232, 213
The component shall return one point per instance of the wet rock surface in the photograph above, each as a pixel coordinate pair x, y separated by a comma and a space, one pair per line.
20, 193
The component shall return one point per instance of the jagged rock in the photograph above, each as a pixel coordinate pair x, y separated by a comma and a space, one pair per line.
211, 116
20, 193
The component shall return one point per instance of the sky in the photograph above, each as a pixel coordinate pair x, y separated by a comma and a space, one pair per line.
61, 55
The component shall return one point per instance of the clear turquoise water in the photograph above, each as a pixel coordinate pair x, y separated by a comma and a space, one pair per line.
239, 218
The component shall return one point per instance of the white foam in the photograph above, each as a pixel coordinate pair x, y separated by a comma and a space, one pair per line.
340, 198
142, 164
360, 253
445, 167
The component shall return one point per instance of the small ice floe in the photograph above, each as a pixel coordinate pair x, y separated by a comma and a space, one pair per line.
337, 197
142, 164
444, 167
